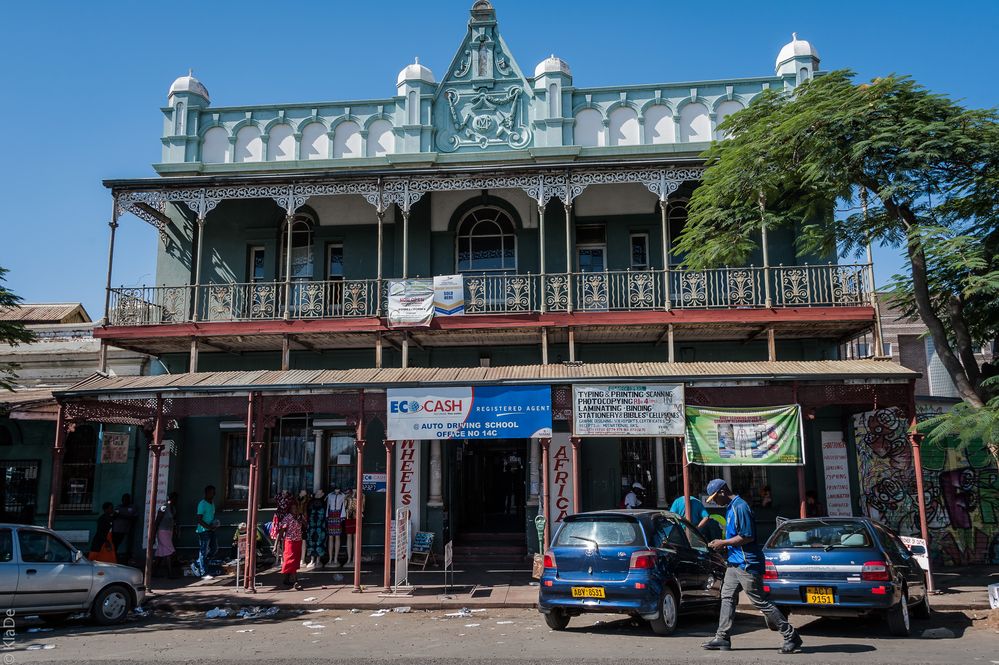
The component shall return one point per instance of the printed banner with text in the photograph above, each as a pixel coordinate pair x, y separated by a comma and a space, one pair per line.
488, 412
769, 436
628, 410
410, 302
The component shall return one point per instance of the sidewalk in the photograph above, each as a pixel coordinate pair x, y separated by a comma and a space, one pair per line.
478, 586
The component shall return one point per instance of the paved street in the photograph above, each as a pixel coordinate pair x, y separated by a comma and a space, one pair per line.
502, 635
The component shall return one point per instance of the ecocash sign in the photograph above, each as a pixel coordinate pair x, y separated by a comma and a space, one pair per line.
429, 406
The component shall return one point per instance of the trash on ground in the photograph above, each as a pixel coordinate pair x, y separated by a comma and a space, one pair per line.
38, 647
217, 613
503, 623
462, 613
315, 610
309, 599
140, 611
471, 625
402, 610
245, 630
39, 630
257, 612
379, 613
355, 611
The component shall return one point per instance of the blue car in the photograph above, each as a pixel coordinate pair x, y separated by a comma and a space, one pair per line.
645, 563
829, 566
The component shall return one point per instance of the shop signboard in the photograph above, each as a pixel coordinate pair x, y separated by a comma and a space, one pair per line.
560, 493
410, 303
449, 295
836, 469
488, 412
626, 410
114, 447
767, 436
373, 482
401, 548
164, 482
407, 479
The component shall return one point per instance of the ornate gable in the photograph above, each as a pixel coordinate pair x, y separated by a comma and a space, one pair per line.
483, 101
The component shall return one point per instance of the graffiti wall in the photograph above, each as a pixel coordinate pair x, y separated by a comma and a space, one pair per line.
960, 481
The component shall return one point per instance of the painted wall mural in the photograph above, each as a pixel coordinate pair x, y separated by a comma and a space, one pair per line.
960, 481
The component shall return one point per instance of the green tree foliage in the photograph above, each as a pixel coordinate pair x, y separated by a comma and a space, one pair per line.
10, 333
928, 171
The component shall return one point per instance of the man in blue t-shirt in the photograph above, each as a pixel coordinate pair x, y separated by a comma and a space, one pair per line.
698, 513
745, 571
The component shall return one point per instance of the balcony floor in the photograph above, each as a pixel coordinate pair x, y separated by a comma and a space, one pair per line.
735, 325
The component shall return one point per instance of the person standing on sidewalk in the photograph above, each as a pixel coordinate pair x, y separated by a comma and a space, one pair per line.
292, 526
745, 571
121, 530
206, 525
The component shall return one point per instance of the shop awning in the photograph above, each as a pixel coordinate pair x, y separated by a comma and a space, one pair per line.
28, 404
316, 381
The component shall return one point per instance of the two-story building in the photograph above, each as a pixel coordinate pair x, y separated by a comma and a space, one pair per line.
291, 236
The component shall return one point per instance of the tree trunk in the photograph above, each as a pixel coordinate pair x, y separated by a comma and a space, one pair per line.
965, 346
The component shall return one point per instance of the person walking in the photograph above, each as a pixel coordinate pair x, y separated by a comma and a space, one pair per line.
165, 527
206, 525
121, 529
745, 571
699, 515
292, 527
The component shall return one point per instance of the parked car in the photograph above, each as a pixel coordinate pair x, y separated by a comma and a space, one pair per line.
645, 563
845, 566
40, 573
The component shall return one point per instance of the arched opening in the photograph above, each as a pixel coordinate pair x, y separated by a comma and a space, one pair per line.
301, 248
676, 218
486, 242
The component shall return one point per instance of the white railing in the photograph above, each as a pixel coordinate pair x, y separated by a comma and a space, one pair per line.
611, 291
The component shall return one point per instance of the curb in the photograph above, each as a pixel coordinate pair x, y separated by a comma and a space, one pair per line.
239, 603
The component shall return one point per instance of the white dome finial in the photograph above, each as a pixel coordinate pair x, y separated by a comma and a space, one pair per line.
552, 65
796, 48
188, 84
415, 72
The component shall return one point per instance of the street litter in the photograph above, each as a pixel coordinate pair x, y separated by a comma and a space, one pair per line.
402, 610
463, 613
379, 613
471, 625
39, 630
140, 611
245, 630
478, 610
256, 612
312, 624
503, 623
309, 599
355, 611
314, 611
217, 613
37, 647
338, 619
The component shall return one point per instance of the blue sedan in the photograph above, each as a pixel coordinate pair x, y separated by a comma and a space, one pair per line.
646, 563
849, 566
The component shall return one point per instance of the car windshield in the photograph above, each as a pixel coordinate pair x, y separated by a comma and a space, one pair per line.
605, 530
820, 534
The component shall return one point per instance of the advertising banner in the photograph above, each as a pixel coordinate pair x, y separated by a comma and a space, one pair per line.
449, 295
161, 487
628, 410
408, 465
410, 303
373, 482
560, 463
488, 412
837, 473
114, 447
768, 436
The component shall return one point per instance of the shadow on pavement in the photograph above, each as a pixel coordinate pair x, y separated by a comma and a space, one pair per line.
940, 625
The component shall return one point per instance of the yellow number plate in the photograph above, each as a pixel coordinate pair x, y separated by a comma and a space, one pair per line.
819, 595
588, 592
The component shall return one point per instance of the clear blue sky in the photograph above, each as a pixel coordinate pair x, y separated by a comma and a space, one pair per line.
85, 81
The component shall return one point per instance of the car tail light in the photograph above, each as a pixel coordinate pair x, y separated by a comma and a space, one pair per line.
766, 588
879, 590
770, 571
874, 571
549, 561
643, 559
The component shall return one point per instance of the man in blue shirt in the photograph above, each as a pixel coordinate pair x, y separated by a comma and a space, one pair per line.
698, 513
745, 571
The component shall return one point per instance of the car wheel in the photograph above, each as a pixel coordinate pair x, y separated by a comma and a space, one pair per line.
922, 609
557, 620
111, 605
665, 621
898, 617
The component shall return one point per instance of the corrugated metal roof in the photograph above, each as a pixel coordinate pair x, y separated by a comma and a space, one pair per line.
310, 380
20, 398
45, 313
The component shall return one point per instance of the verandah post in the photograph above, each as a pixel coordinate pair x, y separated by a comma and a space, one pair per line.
155, 449
58, 450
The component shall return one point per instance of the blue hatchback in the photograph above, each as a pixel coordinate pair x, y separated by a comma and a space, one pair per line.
646, 563
848, 566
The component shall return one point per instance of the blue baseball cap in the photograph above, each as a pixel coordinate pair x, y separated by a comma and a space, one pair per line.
714, 487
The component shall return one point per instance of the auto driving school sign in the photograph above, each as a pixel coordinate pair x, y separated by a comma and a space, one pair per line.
488, 412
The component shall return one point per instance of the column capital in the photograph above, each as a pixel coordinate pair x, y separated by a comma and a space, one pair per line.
545, 442
389, 444
359, 444
915, 438
575, 441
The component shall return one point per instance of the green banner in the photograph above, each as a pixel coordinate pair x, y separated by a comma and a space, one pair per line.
769, 436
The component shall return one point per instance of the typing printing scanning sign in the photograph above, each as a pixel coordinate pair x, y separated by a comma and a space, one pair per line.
490, 412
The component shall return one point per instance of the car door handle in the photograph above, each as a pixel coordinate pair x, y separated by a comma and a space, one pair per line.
31, 571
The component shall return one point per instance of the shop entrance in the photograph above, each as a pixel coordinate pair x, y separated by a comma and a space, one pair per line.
488, 489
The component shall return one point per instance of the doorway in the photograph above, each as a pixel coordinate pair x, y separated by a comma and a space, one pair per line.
489, 487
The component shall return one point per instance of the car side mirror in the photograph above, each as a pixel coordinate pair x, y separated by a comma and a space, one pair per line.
77, 556
918, 550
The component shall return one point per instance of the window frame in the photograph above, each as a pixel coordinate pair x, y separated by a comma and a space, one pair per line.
251, 252
309, 223
273, 448
71, 446
232, 438
502, 235
45, 534
631, 251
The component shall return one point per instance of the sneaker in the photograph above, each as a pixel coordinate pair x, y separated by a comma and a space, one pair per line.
792, 645
717, 644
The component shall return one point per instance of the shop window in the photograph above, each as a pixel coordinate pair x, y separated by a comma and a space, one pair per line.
19, 490
486, 242
293, 451
340, 471
237, 468
79, 462
638, 464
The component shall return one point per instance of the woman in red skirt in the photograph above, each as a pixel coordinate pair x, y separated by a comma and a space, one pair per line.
292, 528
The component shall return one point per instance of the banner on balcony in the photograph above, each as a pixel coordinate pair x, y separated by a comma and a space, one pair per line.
449, 295
769, 436
410, 303
488, 412
628, 410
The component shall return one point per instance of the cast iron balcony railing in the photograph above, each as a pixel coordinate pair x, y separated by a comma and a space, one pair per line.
610, 291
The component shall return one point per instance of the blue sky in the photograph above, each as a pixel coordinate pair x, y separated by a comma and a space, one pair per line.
85, 81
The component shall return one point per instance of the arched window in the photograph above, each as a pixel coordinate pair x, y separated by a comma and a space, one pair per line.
676, 216
301, 248
486, 242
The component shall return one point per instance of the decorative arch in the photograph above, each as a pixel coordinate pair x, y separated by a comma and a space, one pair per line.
315, 140
249, 145
485, 238
347, 139
280, 142
724, 109
381, 139
623, 125
588, 126
695, 123
215, 144
660, 127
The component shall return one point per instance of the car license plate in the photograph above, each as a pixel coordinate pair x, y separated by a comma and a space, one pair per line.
819, 595
588, 592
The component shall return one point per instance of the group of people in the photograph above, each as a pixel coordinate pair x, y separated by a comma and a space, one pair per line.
113, 541
307, 529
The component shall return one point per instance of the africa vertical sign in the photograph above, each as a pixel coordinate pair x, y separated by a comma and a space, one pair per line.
560, 463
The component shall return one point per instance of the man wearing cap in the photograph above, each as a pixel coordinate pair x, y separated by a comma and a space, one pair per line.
745, 571
635, 497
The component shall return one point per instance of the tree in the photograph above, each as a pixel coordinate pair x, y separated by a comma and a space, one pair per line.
928, 170
10, 333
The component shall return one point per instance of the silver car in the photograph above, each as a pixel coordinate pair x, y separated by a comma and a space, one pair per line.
40, 573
